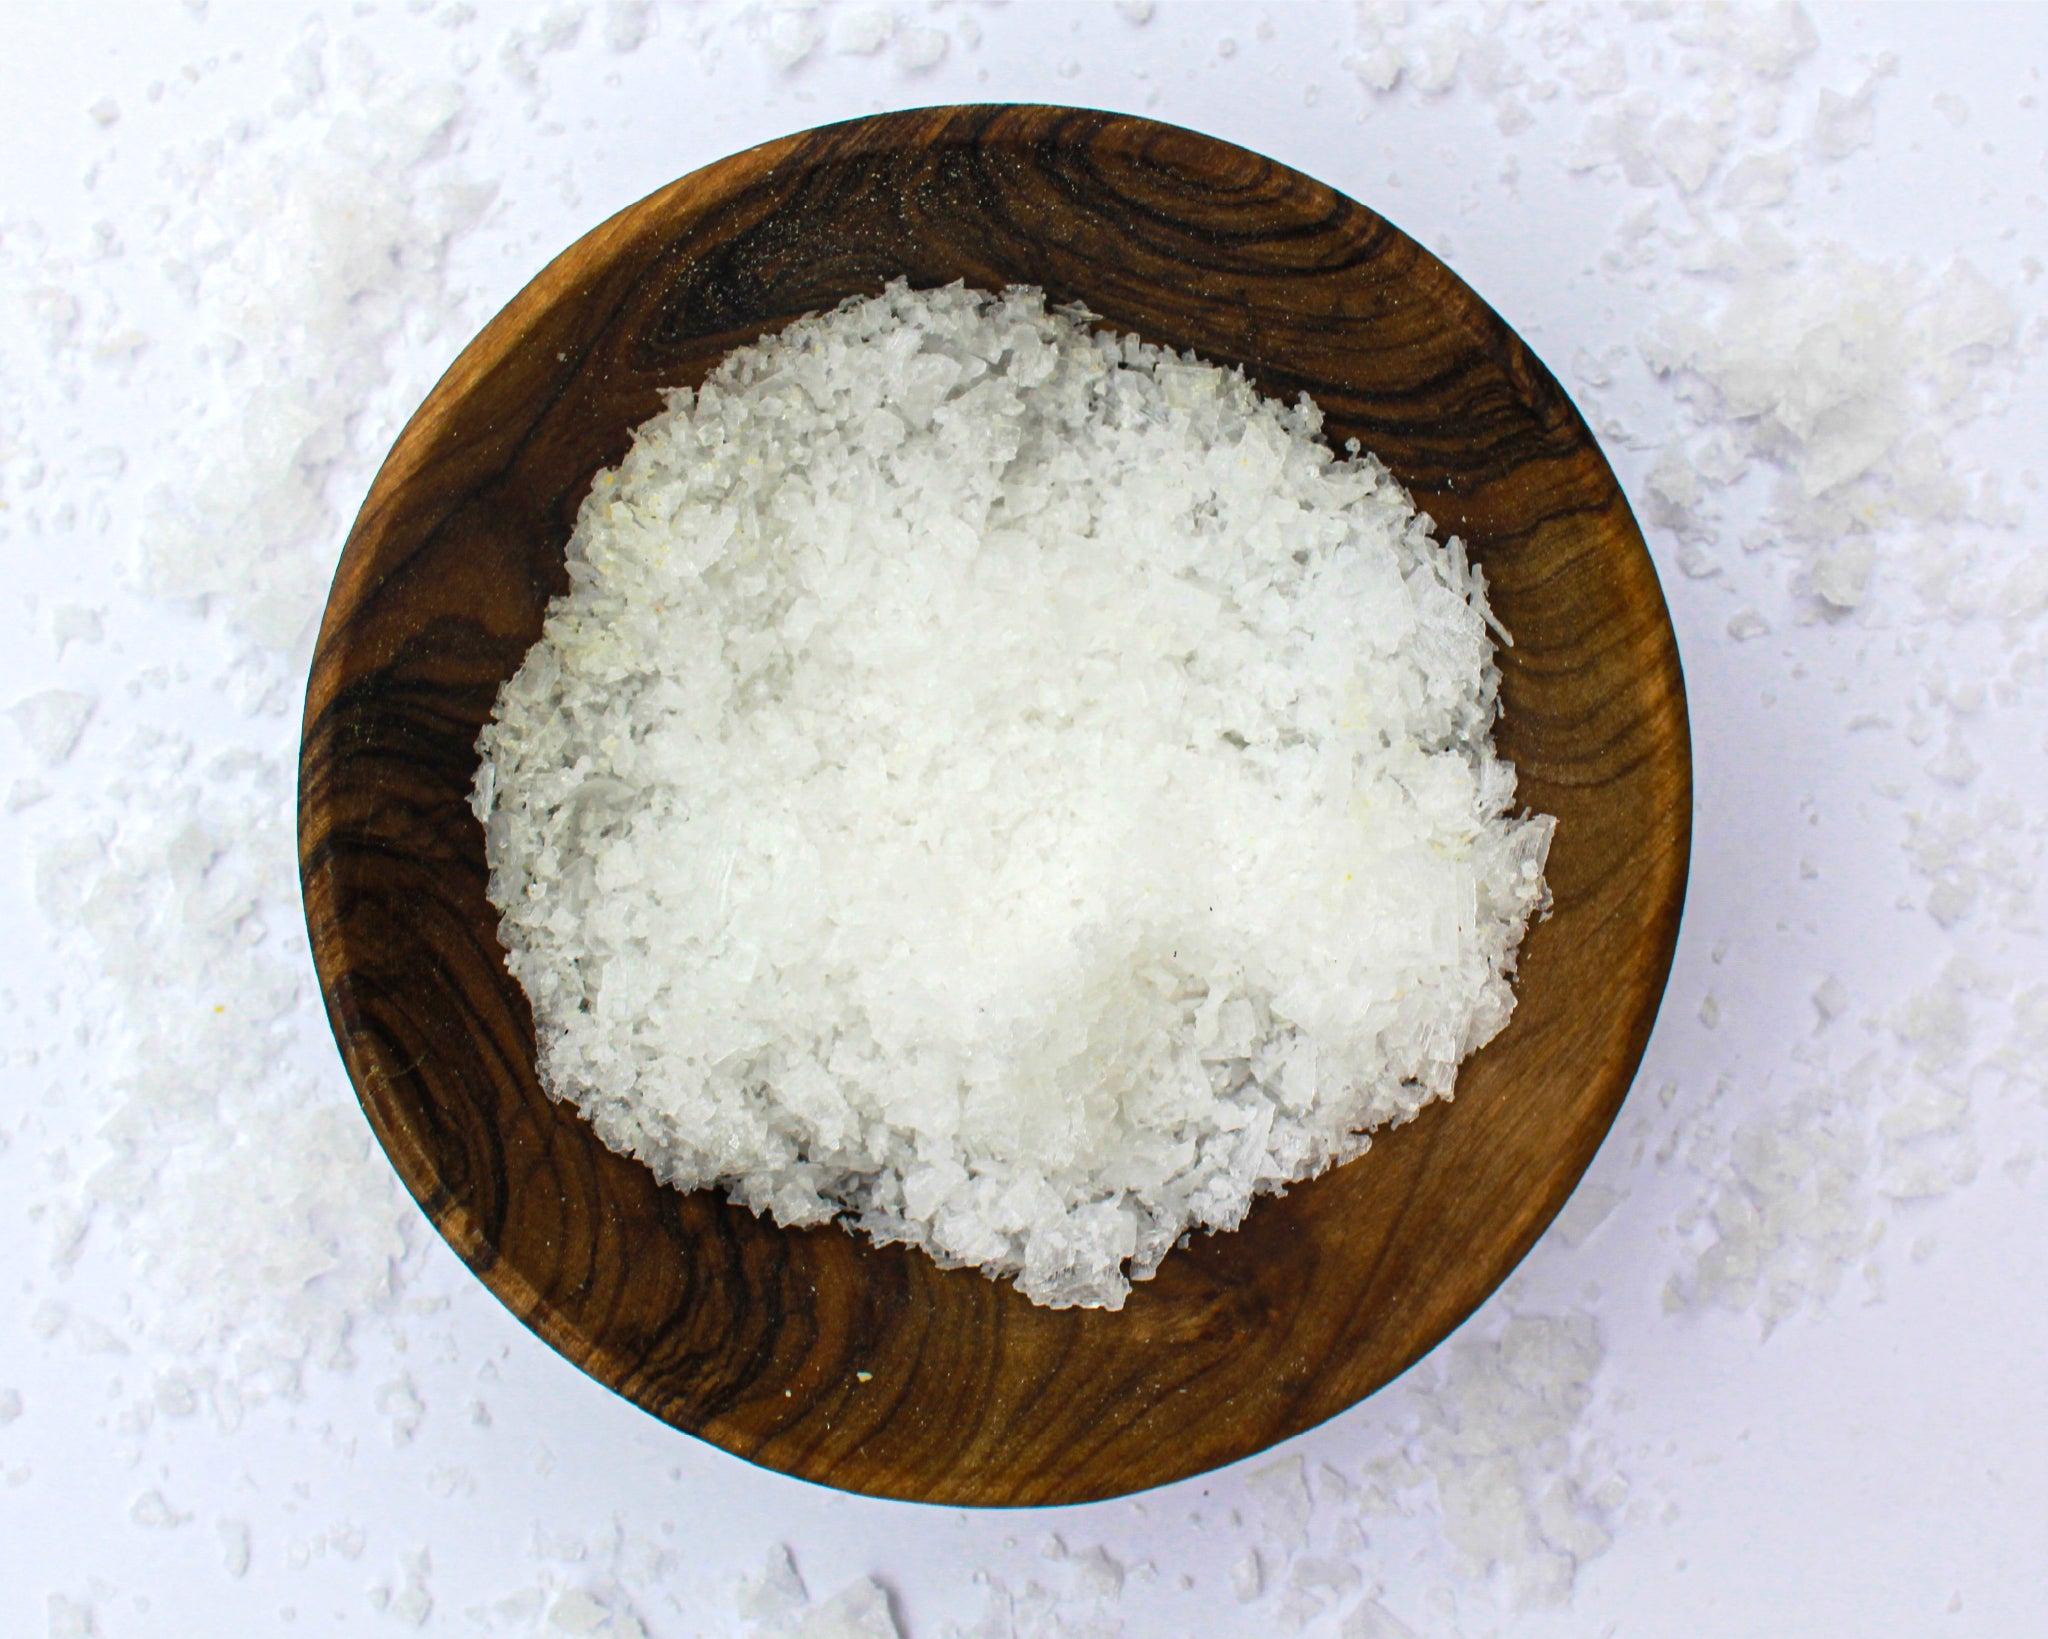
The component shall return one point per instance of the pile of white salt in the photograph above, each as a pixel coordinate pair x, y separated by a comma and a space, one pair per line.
1007, 786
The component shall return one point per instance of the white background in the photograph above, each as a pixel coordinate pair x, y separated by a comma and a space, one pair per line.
1869, 1458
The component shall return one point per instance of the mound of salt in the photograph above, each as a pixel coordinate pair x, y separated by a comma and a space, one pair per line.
1005, 785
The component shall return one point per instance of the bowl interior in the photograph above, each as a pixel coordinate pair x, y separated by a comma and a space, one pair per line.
814, 1352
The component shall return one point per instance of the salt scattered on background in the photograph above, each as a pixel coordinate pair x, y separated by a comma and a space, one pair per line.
71, 1619
302, 260
1845, 375
313, 264
51, 722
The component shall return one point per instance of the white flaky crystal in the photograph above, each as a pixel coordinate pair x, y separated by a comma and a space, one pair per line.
1005, 785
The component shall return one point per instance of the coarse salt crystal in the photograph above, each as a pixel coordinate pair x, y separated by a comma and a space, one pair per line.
1005, 784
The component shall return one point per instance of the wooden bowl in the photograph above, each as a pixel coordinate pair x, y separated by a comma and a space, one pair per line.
814, 1352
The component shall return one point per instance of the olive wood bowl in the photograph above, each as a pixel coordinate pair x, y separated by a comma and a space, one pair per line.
813, 1351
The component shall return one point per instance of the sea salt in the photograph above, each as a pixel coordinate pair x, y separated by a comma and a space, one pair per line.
309, 238
1007, 785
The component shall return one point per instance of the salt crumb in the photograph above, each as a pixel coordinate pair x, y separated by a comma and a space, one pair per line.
863, 30
628, 25
51, 721
919, 50
234, 1546
1369, 1619
1589, 1208
151, 1510
776, 1592
73, 623
788, 37
1841, 125
1285, 1505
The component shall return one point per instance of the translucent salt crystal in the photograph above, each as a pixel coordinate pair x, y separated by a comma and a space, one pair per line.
51, 721
820, 711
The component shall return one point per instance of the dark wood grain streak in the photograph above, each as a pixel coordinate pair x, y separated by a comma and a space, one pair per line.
752, 1336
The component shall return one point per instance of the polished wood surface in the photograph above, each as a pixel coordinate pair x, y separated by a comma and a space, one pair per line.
816, 1352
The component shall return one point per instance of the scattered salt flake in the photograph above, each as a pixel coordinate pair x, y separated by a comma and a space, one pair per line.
1841, 574
25, 793
628, 24
1758, 181
1689, 150
151, 1510
51, 722
1586, 1211
1746, 624
1500, 1415
1848, 375
859, 1611
1955, 766
918, 50
788, 36
1096, 1575
234, 1545
1335, 1577
1842, 124
411, 1602
1929, 1148
576, 1612
1284, 1501
1830, 1001
776, 1592
1789, 1204
10, 1406
1247, 1577
863, 30
1369, 1619
1379, 69
74, 623
105, 112
400, 1401
1710, 1010
71, 1618
1972, 856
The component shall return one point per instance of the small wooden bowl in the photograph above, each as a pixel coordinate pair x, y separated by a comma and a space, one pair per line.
814, 1352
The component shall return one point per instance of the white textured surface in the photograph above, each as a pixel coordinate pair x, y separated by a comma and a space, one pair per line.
1778, 1367
1005, 784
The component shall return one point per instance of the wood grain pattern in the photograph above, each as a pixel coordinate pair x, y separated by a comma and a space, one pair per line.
751, 1336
